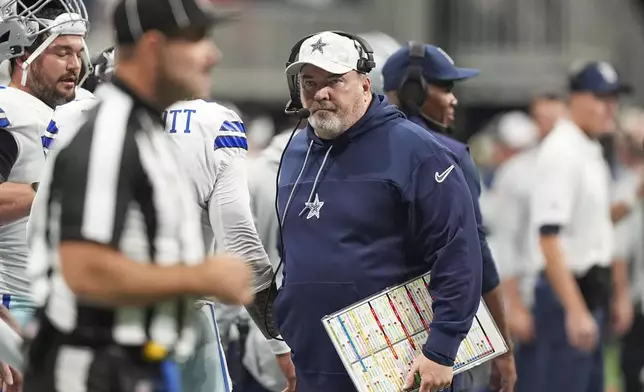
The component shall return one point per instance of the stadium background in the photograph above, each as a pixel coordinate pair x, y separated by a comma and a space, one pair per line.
523, 47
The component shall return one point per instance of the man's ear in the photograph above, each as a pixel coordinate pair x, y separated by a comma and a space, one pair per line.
21, 60
366, 84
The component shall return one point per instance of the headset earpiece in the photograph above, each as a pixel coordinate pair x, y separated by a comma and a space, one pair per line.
413, 87
365, 64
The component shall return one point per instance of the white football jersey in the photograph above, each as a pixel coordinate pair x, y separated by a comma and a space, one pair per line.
26, 118
212, 139
68, 117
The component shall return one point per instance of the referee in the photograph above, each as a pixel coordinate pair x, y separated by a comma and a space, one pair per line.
118, 253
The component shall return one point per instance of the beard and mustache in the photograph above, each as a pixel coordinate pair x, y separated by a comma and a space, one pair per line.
327, 120
50, 94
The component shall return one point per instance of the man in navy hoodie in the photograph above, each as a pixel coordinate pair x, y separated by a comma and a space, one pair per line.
419, 78
359, 213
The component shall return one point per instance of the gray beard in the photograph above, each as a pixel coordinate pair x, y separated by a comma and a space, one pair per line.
329, 127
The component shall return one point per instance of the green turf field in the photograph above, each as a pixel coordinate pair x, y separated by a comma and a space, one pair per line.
613, 378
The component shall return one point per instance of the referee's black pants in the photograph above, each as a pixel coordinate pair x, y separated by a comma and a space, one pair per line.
54, 365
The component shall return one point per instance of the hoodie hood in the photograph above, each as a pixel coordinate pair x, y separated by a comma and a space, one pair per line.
378, 113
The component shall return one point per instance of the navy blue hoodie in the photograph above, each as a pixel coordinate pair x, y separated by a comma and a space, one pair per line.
491, 278
364, 212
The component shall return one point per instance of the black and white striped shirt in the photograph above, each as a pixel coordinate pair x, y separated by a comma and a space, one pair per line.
117, 182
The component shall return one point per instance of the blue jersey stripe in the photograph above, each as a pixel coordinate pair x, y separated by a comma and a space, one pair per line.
233, 126
231, 142
46, 141
52, 128
6, 301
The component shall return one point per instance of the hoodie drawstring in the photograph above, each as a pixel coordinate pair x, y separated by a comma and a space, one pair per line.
315, 182
299, 176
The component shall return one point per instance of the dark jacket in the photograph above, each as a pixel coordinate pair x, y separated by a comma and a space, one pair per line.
491, 278
363, 214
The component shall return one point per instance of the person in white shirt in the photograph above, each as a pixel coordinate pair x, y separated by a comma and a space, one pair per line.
570, 208
511, 190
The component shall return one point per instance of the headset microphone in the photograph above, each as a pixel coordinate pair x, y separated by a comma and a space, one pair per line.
303, 113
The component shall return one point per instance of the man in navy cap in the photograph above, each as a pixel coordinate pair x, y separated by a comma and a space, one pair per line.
419, 78
571, 217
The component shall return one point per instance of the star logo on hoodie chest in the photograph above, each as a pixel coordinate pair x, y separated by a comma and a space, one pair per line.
314, 207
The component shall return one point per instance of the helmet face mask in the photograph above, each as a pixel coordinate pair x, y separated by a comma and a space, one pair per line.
28, 13
105, 68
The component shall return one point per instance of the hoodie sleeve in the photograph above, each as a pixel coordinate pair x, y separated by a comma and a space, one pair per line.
490, 274
443, 226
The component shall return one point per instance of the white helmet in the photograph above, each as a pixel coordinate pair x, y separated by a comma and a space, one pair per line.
383, 46
21, 24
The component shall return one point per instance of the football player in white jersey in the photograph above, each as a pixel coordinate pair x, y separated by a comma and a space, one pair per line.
45, 47
213, 140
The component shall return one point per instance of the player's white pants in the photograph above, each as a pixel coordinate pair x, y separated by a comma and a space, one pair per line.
10, 346
206, 370
10, 342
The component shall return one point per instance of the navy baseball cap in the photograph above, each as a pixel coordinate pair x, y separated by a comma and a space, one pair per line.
437, 67
599, 78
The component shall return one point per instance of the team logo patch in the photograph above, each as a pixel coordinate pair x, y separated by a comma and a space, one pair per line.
318, 46
314, 207
608, 72
446, 55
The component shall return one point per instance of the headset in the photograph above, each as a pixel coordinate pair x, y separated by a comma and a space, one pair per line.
365, 65
413, 86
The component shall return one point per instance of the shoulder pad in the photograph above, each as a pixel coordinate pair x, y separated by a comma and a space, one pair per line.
21, 109
232, 131
67, 117
4, 120
82, 94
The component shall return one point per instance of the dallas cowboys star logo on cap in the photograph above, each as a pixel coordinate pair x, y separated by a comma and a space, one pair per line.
318, 46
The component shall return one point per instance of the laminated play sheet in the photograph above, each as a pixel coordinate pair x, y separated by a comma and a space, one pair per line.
379, 337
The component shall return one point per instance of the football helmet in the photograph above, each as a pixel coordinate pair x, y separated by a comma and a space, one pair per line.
21, 23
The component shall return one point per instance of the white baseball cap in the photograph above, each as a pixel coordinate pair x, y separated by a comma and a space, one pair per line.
332, 52
517, 130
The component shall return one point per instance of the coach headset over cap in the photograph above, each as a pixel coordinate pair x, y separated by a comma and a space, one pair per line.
132, 18
416, 66
433, 63
22, 25
336, 52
